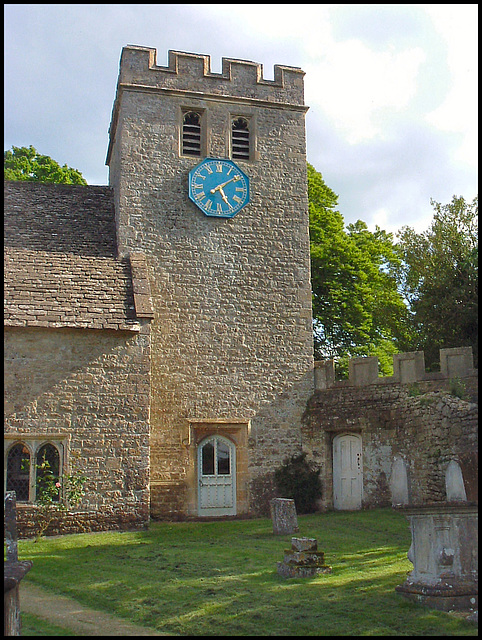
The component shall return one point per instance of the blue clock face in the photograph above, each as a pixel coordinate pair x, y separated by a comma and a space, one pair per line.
218, 187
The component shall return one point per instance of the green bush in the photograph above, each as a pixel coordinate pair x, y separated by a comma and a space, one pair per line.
299, 479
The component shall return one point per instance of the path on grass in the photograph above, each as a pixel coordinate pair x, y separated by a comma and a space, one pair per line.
67, 613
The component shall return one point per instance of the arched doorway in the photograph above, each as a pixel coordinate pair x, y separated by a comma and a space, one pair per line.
216, 463
347, 471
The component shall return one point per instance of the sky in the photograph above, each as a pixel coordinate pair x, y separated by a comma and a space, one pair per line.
392, 88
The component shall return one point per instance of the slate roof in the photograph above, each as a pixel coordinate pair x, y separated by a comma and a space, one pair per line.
61, 267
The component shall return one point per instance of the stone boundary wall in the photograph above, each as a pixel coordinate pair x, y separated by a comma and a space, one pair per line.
412, 417
63, 523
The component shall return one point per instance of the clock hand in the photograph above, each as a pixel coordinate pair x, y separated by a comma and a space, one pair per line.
220, 186
223, 195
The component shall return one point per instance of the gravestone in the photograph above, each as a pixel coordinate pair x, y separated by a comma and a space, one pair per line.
454, 482
303, 560
13, 570
283, 515
399, 482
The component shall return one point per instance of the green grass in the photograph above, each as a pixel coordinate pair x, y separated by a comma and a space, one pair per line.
35, 626
219, 578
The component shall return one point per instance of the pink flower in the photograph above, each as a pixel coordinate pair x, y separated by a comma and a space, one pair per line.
57, 484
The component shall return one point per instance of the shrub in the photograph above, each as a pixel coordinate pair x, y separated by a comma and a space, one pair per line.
56, 494
458, 389
299, 479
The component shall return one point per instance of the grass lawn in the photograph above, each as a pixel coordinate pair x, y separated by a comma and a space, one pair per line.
34, 626
219, 578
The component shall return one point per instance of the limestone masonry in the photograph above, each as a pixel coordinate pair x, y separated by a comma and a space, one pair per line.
231, 335
168, 354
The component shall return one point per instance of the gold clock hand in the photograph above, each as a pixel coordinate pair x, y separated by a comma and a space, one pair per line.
223, 195
221, 186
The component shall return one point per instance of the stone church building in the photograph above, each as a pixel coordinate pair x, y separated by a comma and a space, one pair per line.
158, 331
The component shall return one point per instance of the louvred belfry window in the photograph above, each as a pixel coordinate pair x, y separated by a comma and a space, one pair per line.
240, 139
191, 134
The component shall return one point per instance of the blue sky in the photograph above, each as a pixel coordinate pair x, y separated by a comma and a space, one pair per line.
392, 88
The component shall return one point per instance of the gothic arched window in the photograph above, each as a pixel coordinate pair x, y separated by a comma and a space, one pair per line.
48, 470
18, 472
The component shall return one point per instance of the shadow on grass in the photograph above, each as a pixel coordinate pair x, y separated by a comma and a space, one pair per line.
219, 578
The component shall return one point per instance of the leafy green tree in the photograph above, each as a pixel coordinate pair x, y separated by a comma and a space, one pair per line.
22, 163
439, 279
357, 308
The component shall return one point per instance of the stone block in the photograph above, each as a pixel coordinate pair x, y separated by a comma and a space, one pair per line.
303, 560
304, 557
294, 571
363, 371
304, 544
456, 362
324, 373
409, 367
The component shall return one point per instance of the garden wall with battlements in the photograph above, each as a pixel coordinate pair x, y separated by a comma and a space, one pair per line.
420, 420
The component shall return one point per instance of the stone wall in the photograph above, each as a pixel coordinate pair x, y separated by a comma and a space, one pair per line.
416, 420
231, 335
87, 392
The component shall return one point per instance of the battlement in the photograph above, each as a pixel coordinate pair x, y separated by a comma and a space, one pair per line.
407, 368
191, 74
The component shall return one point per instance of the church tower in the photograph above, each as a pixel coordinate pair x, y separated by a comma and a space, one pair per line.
209, 178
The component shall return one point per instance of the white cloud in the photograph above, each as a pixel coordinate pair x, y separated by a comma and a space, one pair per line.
391, 88
352, 84
457, 24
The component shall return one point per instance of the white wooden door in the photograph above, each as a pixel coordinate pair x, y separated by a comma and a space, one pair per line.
217, 477
347, 471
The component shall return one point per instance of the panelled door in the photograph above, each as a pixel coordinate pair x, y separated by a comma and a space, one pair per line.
216, 477
347, 471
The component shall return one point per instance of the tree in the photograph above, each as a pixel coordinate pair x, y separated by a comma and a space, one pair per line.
439, 279
22, 163
357, 308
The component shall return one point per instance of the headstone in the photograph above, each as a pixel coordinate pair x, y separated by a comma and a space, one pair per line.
11, 526
469, 463
399, 482
454, 482
13, 570
283, 515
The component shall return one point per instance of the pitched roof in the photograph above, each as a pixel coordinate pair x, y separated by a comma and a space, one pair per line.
61, 268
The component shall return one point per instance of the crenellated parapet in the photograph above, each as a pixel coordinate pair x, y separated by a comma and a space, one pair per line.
191, 73
407, 368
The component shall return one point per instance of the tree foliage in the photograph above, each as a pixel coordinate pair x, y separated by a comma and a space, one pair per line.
22, 163
357, 308
439, 279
